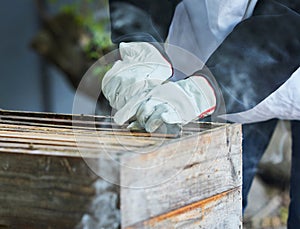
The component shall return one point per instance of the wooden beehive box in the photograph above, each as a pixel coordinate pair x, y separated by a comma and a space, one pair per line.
59, 172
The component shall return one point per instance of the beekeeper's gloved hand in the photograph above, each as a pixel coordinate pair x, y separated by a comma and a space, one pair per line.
141, 68
170, 103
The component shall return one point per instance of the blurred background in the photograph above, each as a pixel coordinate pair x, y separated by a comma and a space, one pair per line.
46, 46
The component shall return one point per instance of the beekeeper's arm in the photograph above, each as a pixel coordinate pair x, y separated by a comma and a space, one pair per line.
257, 66
237, 67
138, 26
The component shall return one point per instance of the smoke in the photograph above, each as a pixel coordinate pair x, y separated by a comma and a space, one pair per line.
104, 209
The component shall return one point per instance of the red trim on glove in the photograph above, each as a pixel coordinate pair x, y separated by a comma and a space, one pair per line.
205, 113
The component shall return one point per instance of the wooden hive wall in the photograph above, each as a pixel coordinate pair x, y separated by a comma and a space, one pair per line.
45, 181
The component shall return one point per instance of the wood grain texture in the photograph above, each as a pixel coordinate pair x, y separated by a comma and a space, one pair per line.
199, 167
222, 211
43, 191
46, 179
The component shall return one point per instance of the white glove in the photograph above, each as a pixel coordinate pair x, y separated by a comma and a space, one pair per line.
170, 103
141, 68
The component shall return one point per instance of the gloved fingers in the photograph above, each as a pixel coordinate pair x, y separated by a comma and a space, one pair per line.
125, 85
155, 120
129, 109
135, 125
145, 111
173, 129
162, 117
172, 117
153, 113
124, 114
120, 88
110, 91
160, 121
156, 116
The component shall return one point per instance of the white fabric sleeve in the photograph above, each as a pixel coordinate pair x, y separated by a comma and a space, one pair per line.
284, 103
201, 26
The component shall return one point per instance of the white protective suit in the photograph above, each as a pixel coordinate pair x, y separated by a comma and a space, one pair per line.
202, 37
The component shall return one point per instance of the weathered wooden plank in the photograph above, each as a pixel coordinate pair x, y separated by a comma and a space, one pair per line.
196, 169
68, 142
72, 119
217, 212
50, 192
46, 180
91, 137
34, 189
